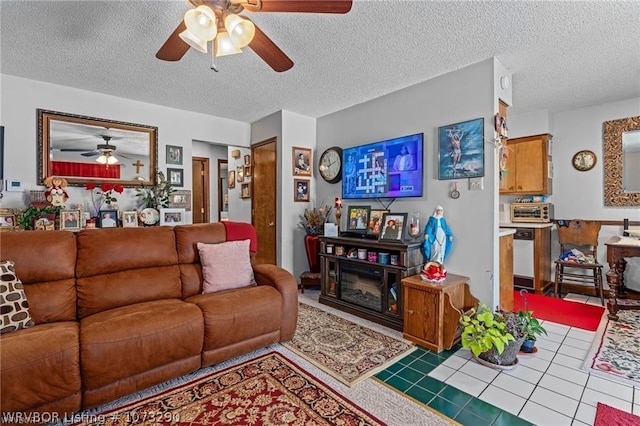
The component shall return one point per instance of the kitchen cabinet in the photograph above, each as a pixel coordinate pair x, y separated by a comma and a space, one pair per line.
432, 310
506, 269
529, 166
531, 256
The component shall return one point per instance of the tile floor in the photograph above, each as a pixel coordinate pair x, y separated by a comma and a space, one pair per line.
547, 389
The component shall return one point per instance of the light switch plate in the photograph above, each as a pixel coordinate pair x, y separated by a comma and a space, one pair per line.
476, 184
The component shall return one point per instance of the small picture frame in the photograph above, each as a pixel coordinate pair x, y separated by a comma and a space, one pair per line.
44, 224
461, 150
172, 217
245, 191
247, 171
108, 218
180, 199
174, 155
247, 160
176, 177
301, 190
130, 219
375, 221
231, 179
393, 227
240, 173
70, 220
301, 161
358, 219
7, 220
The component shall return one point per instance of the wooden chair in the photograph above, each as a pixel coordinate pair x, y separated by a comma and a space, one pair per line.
583, 236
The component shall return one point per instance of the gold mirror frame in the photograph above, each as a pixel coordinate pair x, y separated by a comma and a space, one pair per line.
79, 136
614, 194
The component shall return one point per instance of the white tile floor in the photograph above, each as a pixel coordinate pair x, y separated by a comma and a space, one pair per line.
548, 388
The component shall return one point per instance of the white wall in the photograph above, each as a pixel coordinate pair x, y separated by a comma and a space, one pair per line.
213, 153
580, 195
21, 98
462, 95
239, 208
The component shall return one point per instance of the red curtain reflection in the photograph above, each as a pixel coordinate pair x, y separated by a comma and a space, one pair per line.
68, 168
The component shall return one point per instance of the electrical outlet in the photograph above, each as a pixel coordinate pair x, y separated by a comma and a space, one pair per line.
476, 184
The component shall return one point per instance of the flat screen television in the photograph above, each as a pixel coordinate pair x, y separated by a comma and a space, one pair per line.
387, 169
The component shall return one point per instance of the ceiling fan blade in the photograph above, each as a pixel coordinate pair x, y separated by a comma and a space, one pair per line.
308, 6
269, 52
73, 149
174, 48
91, 153
123, 156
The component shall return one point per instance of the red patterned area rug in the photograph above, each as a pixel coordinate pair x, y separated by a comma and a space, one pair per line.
615, 351
345, 350
610, 416
268, 390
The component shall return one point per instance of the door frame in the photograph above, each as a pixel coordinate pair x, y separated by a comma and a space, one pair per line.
220, 180
205, 187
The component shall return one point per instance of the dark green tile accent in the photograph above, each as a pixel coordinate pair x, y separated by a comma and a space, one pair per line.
394, 368
410, 375
455, 396
384, 375
508, 419
406, 360
431, 358
445, 407
420, 394
431, 384
469, 419
422, 366
483, 409
399, 383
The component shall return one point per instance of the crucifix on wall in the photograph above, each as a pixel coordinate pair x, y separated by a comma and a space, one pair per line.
137, 165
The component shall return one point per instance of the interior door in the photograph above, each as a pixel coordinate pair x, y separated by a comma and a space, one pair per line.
200, 188
223, 190
264, 199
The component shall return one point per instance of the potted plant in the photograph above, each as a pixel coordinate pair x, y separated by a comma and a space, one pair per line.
531, 328
494, 338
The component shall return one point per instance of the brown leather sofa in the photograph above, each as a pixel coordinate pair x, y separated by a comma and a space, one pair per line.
119, 310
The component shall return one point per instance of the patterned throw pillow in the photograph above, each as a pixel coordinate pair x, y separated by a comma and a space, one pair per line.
14, 308
225, 266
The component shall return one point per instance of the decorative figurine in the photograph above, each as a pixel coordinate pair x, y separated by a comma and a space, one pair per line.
56, 192
438, 238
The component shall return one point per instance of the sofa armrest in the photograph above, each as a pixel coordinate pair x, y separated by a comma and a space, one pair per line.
285, 283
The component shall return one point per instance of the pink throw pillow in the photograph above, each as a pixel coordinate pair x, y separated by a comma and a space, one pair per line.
225, 266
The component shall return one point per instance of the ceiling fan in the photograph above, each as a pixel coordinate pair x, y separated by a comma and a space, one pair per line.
219, 21
104, 151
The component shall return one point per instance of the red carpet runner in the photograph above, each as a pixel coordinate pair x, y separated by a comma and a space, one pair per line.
573, 314
609, 416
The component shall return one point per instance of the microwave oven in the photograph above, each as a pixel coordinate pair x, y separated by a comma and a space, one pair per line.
532, 212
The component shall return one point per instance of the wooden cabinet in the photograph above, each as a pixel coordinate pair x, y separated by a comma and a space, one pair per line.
506, 272
432, 311
529, 166
371, 287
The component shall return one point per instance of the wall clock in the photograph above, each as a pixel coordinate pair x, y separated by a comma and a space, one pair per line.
330, 164
584, 160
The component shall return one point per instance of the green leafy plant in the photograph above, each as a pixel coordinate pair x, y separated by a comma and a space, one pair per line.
156, 196
531, 327
30, 214
484, 329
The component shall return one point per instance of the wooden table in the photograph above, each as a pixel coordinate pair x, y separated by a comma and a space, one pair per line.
617, 249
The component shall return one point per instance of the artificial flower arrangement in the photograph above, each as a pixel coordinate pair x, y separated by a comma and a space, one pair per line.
433, 272
105, 194
314, 218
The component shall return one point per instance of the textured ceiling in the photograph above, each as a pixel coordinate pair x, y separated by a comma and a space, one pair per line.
562, 55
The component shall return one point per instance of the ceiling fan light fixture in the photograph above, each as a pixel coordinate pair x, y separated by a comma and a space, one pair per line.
201, 22
224, 45
102, 159
193, 41
111, 159
240, 30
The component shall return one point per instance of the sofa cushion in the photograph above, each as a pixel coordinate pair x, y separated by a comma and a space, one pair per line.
14, 308
40, 367
226, 266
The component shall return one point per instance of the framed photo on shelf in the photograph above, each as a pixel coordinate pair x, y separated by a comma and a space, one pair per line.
375, 221
301, 161
358, 218
108, 218
461, 150
130, 219
70, 220
174, 155
245, 191
231, 179
301, 190
393, 227
172, 217
176, 177
7, 219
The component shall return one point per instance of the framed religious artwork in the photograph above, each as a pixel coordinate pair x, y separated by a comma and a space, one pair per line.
461, 150
301, 161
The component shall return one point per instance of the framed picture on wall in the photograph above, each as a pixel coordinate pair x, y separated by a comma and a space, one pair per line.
231, 179
176, 177
301, 161
245, 191
301, 190
174, 154
247, 160
461, 150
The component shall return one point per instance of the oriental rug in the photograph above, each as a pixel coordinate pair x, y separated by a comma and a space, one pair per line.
573, 314
345, 350
610, 416
268, 390
615, 351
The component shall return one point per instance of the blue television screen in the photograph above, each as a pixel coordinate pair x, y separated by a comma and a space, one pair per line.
385, 169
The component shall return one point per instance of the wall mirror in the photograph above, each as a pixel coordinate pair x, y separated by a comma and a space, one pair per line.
87, 149
622, 162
